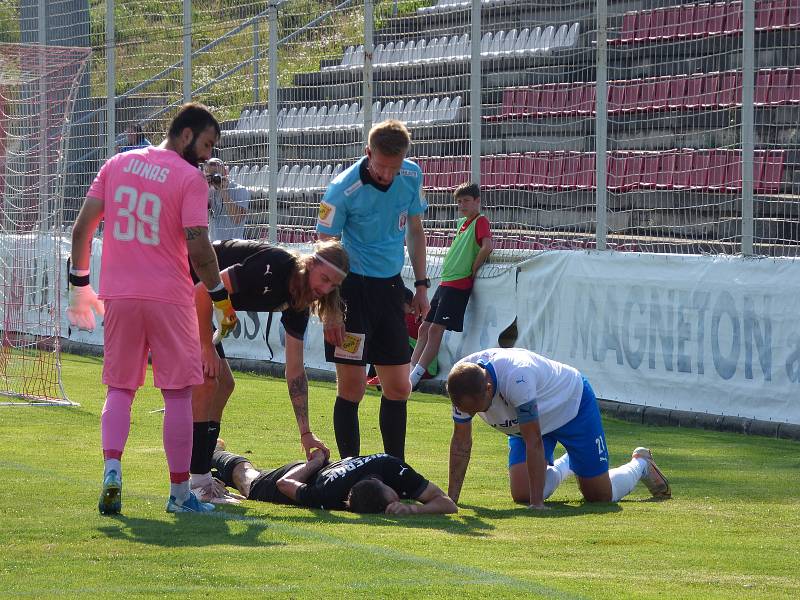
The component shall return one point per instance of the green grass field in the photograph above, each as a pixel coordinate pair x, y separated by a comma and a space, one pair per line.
730, 531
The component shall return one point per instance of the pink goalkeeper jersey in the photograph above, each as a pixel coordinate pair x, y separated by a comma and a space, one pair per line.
150, 195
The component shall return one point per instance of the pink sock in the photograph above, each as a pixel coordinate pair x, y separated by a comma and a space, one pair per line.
115, 421
178, 432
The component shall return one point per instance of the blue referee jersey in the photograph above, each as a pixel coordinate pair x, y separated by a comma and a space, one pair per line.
372, 221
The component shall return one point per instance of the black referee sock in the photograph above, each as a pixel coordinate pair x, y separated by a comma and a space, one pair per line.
393, 417
213, 436
345, 425
201, 457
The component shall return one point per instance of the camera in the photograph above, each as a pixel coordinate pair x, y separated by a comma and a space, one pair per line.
215, 179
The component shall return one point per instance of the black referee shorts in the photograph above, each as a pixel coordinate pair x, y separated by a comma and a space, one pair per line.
375, 322
448, 307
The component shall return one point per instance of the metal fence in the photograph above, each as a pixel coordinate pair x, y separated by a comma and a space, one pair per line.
641, 125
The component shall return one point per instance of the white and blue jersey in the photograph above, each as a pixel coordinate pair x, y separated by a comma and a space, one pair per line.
372, 221
527, 387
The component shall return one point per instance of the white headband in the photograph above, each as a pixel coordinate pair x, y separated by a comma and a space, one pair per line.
330, 264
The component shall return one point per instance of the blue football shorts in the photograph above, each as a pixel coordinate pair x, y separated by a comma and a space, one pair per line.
583, 438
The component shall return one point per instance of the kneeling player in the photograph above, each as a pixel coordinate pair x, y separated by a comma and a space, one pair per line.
540, 402
362, 484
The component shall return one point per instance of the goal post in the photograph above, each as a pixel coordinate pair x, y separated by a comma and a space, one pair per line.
38, 86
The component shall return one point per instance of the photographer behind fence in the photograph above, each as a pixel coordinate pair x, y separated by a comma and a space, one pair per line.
228, 203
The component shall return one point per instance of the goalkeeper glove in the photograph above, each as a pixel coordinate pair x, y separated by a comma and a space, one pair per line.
224, 312
83, 303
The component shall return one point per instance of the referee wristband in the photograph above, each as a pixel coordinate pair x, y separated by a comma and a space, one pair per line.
78, 280
218, 293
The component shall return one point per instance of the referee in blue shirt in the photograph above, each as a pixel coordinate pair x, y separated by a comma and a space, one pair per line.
374, 207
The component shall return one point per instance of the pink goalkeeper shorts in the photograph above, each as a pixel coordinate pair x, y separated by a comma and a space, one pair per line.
133, 326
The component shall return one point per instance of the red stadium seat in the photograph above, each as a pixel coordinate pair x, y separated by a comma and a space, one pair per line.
769, 176
541, 166
628, 27
588, 99
677, 92
702, 13
708, 97
666, 170
555, 171
572, 167
694, 89
730, 89
683, 170
633, 171
650, 170
512, 176
698, 177
733, 18
763, 81
489, 175
533, 100
717, 170
574, 98
526, 168
661, 93
733, 172
560, 92
630, 95
672, 21
643, 25
716, 19
616, 96
547, 102
793, 14
686, 16
587, 174
647, 93
657, 24
615, 171
779, 86
794, 87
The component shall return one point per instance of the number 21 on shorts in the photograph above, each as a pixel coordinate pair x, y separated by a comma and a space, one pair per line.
137, 217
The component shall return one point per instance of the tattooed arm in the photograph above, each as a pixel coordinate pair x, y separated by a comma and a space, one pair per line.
298, 393
202, 255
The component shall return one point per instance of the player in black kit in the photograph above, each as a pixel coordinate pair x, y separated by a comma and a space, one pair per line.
262, 278
364, 484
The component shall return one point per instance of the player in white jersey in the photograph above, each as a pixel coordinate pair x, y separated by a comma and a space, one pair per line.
538, 402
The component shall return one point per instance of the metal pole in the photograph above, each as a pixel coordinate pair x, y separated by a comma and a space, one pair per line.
187, 50
475, 93
748, 126
111, 79
44, 191
273, 121
256, 83
369, 47
601, 125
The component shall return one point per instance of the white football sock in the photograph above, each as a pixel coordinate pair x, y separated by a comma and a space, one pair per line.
416, 374
200, 479
625, 478
555, 474
180, 491
112, 464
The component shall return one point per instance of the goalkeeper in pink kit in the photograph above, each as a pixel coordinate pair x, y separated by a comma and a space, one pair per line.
154, 202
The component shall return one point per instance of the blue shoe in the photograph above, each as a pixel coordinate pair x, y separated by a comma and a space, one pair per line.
191, 504
111, 497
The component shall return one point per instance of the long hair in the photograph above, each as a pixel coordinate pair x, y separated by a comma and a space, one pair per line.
329, 308
367, 496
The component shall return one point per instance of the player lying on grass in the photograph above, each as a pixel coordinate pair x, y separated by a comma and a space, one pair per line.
538, 402
364, 484
262, 278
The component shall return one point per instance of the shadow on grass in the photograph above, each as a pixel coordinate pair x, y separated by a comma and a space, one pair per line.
556, 510
457, 524
188, 530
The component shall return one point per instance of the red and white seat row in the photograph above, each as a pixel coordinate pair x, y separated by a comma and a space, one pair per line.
715, 170
689, 21
773, 87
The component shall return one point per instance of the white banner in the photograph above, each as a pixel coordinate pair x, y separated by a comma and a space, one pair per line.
699, 333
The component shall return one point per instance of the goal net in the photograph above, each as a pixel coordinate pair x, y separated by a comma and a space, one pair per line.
38, 85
